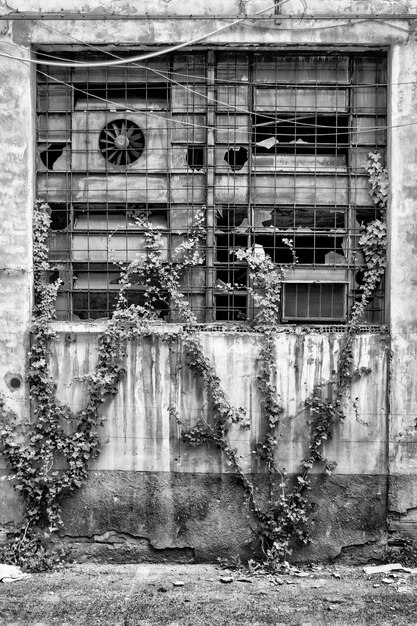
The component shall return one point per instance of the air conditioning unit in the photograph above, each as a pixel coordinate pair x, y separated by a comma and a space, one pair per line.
118, 139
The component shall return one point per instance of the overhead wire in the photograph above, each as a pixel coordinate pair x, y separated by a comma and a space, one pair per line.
198, 77
237, 109
151, 55
274, 119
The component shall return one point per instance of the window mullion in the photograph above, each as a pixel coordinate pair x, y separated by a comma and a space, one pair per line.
210, 220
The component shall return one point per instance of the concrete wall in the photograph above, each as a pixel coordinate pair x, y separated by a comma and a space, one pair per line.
403, 400
147, 489
148, 484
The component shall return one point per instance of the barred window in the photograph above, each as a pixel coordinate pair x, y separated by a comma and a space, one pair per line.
271, 144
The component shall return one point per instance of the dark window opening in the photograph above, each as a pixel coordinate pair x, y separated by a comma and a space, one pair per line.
231, 217
299, 218
375, 308
195, 158
365, 216
59, 216
232, 276
118, 93
51, 153
231, 307
227, 244
236, 159
315, 134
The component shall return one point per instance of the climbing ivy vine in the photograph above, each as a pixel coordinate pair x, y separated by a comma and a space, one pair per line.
49, 453
373, 239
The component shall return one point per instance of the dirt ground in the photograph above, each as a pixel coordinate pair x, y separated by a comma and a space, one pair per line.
148, 594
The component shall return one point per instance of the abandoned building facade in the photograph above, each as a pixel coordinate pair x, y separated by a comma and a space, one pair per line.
260, 118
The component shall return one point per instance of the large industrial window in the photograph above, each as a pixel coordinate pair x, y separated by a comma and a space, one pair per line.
271, 144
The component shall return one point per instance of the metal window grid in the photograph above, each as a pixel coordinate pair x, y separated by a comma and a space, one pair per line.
271, 144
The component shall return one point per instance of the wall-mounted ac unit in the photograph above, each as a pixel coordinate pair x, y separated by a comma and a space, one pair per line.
110, 140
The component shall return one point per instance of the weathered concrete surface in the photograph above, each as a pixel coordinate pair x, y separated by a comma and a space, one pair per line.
149, 491
181, 497
16, 194
293, 33
140, 435
129, 516
403, 254
211, 8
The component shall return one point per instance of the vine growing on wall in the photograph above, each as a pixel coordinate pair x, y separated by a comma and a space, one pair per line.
373, 238
48, 454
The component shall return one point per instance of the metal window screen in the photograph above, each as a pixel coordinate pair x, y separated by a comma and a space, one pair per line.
271, 144
315, 302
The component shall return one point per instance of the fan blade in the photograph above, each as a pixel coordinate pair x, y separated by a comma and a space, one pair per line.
110, 133
136, 137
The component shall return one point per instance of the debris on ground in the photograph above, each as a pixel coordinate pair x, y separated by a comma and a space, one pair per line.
11, 573
226, 579
384, 569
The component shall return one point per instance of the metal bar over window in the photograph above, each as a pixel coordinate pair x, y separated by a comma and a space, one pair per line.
271, 145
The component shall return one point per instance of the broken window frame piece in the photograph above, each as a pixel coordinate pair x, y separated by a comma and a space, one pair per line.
204, 117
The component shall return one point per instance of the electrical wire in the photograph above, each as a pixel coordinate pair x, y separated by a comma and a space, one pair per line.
198, 77
273, 119
296, 120
149, 55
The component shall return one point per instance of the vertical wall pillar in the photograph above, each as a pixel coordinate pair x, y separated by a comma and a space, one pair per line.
402, 264
16, 201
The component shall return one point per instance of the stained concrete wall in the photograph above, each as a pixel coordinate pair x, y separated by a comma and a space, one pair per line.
150, 486
145, 473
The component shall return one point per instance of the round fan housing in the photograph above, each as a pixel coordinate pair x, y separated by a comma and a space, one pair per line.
121, 142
